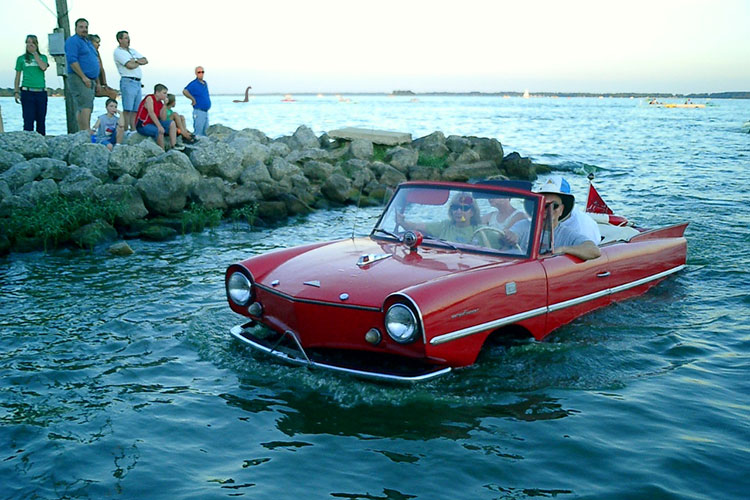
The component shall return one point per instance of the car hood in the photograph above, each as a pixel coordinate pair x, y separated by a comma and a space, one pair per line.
330, 273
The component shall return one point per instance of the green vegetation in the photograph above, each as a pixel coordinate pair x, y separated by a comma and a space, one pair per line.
246, 213
432, 161
53, 220
378, 152
197, 217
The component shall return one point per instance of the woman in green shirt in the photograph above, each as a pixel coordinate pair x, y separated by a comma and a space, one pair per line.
31, 92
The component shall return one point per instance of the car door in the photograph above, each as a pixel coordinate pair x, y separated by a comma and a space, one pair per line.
574, 287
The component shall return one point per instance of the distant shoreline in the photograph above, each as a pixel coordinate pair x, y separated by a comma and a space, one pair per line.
8, 92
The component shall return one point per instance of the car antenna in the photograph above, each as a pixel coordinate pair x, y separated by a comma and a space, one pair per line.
356, 210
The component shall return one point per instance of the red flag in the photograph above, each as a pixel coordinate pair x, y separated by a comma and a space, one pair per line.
595, 203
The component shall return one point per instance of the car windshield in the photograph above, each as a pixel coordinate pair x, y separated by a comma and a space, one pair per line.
470, 219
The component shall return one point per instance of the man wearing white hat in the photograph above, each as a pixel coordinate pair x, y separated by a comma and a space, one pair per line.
556, 191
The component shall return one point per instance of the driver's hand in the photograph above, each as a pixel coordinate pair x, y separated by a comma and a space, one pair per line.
510, 238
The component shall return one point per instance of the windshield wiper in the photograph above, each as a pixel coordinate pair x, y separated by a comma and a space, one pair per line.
440, 240
386, 232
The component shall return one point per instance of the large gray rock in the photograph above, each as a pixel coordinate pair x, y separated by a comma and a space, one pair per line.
93, 234
280, 168
126, 160
165, 187
304, 155
147, 144
79, 183
401, 158
304, 138
129, 199
272, 210
518, 167
361, 149
337, 188
220, 132
278, 148
432, 146
457, 144
317, 171
20, 174
53, 169
392, 177
250, 150
5, 191
477, 170
302, 190
488, 149
59, 146
94, 157
242, 195
217, 159
29, 144
257, 172
424, 173
466, 156
254, 134
38, 191
210, 192
9, 158
270, 190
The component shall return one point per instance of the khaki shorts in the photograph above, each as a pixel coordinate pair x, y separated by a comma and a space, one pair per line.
82, 95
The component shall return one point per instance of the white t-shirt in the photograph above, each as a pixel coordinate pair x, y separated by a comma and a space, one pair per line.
122, 56
581, 223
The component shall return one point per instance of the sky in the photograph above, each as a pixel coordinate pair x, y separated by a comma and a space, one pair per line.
288, 46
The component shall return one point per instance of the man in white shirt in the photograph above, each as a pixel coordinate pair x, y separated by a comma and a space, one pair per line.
129, 62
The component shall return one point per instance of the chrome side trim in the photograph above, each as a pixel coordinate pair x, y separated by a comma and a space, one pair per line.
578, 300
440, 339
642, 281
236, 331
447, 337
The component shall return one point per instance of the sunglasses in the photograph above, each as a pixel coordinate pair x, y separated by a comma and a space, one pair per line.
555, 205
464, 208
200, 72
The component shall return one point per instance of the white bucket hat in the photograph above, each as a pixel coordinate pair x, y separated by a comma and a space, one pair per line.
559, 186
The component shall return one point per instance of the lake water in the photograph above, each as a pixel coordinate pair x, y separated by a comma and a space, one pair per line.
118, 377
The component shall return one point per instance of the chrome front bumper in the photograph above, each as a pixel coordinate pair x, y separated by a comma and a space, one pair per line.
243, 333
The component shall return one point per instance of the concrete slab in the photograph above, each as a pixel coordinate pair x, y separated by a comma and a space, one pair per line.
385, 137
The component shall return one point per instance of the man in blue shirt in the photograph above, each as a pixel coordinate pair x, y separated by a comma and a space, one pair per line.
83, 70
197, 92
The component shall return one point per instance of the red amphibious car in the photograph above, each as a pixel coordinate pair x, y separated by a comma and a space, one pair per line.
422, 294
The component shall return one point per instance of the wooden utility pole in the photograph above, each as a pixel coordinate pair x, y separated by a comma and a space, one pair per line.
64, 24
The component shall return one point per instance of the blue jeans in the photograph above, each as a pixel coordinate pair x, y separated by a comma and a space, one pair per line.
151, 130
131, 94
200, 121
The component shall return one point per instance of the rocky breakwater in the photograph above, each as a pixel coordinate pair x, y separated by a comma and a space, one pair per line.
64, 189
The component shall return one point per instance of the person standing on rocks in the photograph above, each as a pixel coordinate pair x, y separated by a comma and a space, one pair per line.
83, 69
129, 62
31, 92
197, 92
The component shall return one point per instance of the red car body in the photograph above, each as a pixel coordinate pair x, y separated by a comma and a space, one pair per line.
329, 304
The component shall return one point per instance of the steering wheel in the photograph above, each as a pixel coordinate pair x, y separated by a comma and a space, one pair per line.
481, 231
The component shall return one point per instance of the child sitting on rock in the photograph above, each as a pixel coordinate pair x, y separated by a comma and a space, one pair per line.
179, 120
109, 127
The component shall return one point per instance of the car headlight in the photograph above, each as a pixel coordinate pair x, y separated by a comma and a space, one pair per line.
239, 289
401, 324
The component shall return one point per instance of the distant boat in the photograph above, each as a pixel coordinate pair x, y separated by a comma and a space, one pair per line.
247, 95
526, 94
686, 105
288, 98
